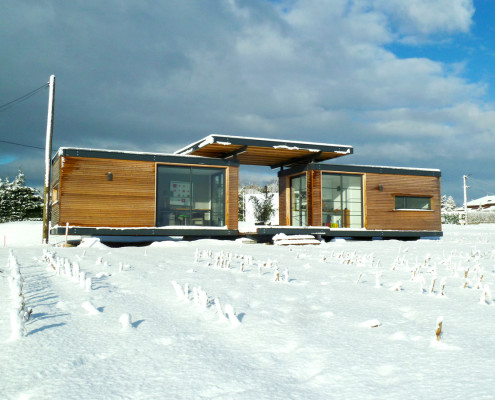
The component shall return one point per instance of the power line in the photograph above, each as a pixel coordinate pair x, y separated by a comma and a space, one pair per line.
481, 183
10, 104
23, 145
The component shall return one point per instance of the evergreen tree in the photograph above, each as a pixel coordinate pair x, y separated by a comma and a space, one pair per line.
448, 203
263, 208
449, 215
19, 202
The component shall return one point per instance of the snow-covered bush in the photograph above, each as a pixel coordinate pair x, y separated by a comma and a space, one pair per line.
481, 217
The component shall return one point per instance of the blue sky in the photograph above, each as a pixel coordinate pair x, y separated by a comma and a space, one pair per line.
474, 50
407, 83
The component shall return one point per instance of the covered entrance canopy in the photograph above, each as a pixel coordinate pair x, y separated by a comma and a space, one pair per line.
266, 152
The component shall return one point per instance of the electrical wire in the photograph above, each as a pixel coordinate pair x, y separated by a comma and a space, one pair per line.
480, 182
10, 104
23, 145
480, 187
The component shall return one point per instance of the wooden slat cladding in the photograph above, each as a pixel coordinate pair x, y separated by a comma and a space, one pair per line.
259, 155
309, 198
380, 205
88, 198
283, 201
55, 172
232, 198
315, 204
54, 214
55, 181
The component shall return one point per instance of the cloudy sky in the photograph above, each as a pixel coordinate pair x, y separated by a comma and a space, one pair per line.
407, 83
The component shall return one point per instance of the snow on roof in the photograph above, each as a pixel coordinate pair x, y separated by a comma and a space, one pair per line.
65, 150
482, 201
388, 167
215, 139
61, 150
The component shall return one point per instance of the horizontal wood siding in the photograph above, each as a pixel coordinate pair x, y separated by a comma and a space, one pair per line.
309, 198
55, 180
88, 198
315, 204
232, 198
55, 172
54, 214
380, 213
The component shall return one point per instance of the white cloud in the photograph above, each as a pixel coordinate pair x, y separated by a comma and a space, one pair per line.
427, 17
139, 77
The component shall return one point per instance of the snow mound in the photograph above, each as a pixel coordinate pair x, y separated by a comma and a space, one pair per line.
167, 243
372, 323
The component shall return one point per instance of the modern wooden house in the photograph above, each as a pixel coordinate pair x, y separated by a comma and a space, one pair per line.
194, 192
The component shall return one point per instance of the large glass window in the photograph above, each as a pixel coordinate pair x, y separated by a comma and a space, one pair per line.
412, 203
342, 201
190, 196
298, 200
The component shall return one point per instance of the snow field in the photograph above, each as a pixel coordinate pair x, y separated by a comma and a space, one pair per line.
337, 329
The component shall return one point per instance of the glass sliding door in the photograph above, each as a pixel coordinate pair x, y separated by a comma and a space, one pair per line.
190, 196
208, 196
342, 201
298, 201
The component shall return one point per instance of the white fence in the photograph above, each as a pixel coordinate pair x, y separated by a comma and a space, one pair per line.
473, 217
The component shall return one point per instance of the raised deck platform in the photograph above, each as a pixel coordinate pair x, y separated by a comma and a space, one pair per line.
188, 232
330, 233
261, 233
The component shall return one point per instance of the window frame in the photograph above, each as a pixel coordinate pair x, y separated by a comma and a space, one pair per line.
291, 199
405, 208
223, 170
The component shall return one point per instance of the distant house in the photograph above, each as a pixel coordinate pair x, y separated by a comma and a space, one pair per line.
484, 203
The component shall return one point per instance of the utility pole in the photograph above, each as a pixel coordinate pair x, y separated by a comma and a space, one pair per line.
464, 178
48, 158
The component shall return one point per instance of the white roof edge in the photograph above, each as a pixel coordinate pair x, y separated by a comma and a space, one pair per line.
61, 149
388, 167
210, 137
285, 141
191, 145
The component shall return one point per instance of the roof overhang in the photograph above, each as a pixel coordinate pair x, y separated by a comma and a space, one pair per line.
141, 156
267, 152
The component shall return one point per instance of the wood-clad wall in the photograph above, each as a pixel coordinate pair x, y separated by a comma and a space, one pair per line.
55, 173
380, 205
88, 198
315, 205
55, 179
232, 198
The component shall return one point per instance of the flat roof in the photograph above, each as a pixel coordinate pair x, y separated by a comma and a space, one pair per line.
140, 156
267, 152
372, 169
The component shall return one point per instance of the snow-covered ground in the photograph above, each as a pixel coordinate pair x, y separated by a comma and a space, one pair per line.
308, 338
